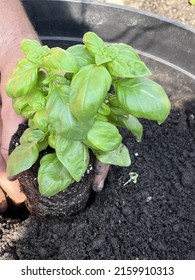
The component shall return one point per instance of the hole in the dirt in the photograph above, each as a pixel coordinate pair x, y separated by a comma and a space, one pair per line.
16, 212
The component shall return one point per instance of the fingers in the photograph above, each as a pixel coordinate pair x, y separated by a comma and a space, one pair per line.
12, 189
101, 171
3, 202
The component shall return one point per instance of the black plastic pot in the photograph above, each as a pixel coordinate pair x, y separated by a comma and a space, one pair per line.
167, 47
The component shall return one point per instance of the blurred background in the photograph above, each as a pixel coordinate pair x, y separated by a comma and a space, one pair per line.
179, 10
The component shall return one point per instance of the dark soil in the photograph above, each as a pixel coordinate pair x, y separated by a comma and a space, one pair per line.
151, 219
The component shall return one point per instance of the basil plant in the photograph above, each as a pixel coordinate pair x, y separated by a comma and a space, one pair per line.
75, 100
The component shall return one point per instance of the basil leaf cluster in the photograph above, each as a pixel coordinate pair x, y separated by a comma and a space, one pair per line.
75, 100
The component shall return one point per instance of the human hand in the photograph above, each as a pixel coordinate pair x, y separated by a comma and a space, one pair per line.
101, 171
9, 122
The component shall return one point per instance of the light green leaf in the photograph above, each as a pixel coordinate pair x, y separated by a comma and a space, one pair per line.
60, 60
143, 98
28, 46
40, 120
191, 2
36, 99
43, 144
115, 107
123, 67
22, 158
60, 117
35, 136
129, 122
82, 55
19, 103
104, 109
23, 78
32, 135
127, 63
125, 50
73, 155
101, 58
103, 136
88, 90
102, 52
55, 78
52, 140
22, 107
34, 51
93, 43
119, 156
53, 177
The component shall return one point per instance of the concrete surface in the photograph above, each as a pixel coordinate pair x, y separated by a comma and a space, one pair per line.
179, 10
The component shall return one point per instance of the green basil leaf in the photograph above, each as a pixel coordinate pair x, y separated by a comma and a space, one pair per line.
124, 67
143, 98
102, 52
40, 80
126, 50
21, 107
101, 58
119, 156
36, 99
73, 155
34, 51
129, 122
23, 79
53, 177
52, 140
22, 158
93, 43
60, 117
103, 136
100, 117
82, 55
104, 109
112, 51
28, 45
88, 90
127, 63
31, 124
27, 112
114, 105
59, 61
19, 103
55, 78
107, 54
32, 135
43, 144
40, 120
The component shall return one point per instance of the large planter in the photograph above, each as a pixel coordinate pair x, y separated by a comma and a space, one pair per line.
154, 218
